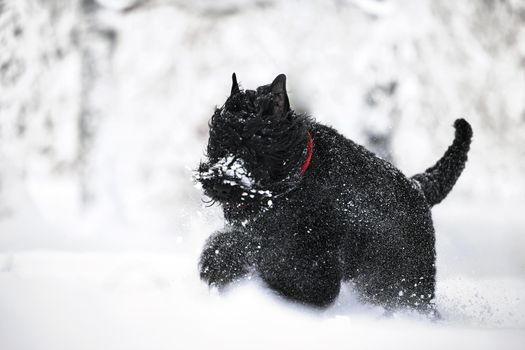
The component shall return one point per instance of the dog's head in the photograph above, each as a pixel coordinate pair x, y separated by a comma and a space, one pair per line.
256, 147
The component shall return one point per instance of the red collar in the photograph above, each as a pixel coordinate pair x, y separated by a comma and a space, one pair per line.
310, 150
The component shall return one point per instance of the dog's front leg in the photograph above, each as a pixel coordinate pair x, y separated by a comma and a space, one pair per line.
299, 258
227, 256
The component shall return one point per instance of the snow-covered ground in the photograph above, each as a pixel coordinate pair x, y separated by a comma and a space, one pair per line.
110, 287
103, 114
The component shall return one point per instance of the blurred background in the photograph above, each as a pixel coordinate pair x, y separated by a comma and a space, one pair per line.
104, 106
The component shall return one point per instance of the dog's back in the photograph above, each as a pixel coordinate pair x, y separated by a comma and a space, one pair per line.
383, 220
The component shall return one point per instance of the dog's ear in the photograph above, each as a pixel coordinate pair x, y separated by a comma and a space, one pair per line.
235, 86
281, 105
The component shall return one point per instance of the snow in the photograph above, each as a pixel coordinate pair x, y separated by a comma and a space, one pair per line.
100, 238
233, 169
140, 289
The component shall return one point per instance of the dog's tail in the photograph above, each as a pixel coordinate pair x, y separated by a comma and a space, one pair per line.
437, 181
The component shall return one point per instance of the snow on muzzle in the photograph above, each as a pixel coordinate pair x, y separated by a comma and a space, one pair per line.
228, 179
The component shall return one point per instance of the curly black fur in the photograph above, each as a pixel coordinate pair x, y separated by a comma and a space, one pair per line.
350, 216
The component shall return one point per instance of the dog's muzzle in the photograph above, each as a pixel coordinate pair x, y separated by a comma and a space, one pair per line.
228, 180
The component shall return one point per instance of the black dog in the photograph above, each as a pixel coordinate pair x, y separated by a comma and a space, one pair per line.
307, 208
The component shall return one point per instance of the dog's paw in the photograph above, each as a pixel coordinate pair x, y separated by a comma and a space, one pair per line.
223, 261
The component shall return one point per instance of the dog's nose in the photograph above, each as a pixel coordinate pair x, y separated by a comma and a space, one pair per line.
222, 191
